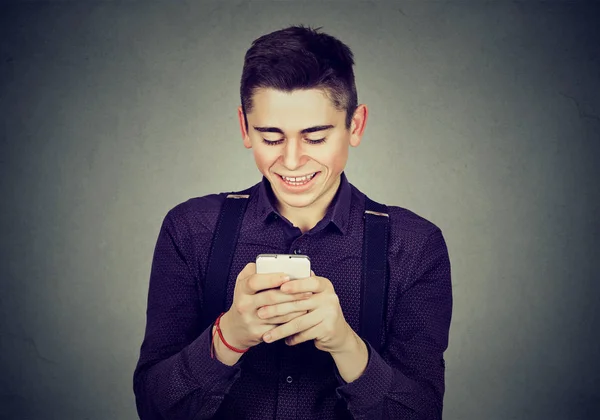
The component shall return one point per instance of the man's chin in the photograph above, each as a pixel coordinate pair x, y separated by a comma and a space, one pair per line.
299, 203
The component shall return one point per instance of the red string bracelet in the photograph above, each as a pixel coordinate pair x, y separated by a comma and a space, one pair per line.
229, 346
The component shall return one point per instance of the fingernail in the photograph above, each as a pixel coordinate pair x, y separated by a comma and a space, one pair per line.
267, 337
307, 294
286, 278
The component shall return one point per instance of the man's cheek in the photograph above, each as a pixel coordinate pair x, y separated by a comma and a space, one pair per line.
262, 160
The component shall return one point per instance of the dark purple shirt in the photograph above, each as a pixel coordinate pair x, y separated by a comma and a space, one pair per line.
176, 377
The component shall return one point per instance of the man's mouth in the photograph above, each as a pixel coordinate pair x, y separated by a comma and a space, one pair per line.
298, 180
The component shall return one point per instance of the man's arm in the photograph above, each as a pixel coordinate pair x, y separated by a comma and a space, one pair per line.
407, 380
175, 376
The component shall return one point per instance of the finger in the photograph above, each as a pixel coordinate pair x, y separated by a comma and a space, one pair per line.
275, 296
280, 309
294, 326
247, 271
313, 284
284, 318
309, 334
257, 282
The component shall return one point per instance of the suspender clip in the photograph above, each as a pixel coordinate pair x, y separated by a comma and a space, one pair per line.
376, 213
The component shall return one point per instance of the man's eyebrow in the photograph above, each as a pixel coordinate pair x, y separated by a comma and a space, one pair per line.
304, 131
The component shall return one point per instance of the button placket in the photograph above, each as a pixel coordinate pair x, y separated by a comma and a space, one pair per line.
300, 245
287, 406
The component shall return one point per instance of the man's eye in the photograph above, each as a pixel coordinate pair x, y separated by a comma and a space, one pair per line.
275, 142
272, 142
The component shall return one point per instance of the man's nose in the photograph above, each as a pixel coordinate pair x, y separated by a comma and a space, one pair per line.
292, 154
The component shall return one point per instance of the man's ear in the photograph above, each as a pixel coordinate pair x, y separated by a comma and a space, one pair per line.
359, 122
245, 137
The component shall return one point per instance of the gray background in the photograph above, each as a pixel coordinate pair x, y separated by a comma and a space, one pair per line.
484, 118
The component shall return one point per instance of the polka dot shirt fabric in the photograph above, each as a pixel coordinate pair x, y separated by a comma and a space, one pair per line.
176, 378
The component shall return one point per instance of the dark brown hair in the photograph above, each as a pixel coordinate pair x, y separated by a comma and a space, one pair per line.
299, 57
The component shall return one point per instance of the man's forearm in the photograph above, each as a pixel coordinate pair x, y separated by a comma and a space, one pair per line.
352, 360
185, 384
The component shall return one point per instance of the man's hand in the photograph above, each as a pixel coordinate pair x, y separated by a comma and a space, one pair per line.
324, 323
241, 326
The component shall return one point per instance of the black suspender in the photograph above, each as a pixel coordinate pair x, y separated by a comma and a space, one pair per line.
375, 273
374, 277
224, 243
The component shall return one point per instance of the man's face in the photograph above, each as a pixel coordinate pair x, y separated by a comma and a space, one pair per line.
281, 149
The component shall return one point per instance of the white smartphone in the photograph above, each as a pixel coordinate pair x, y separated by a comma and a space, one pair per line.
295, 266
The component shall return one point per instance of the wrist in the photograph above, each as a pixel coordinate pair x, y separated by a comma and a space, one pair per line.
350, 344
227, 330
222, 352
351, 361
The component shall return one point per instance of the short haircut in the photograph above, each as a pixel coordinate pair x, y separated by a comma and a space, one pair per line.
299, 57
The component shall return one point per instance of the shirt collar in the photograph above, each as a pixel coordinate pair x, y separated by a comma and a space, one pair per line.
338, 211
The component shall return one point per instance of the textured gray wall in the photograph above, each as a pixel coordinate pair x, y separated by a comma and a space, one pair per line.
484, 118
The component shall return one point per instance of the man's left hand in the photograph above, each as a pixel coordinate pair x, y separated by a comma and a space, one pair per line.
324, 323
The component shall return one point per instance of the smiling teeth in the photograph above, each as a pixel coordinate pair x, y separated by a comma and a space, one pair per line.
299, 179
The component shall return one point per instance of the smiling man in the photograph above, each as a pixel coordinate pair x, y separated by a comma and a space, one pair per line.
300, 145
297, 349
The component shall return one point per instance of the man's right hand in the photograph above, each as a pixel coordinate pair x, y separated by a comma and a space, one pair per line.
240, 325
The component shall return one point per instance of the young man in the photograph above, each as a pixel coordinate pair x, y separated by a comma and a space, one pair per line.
290, 349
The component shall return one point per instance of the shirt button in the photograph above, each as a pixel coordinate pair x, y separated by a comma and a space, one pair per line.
289, 379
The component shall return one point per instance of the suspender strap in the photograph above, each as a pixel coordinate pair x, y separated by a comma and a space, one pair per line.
375, 273
224, 243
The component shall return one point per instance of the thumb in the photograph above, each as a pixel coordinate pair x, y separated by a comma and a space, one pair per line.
247, 271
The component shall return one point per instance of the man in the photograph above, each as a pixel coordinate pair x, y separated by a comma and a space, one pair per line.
289, 349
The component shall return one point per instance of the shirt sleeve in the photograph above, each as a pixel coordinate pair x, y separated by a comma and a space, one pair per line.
175, 376
407, 380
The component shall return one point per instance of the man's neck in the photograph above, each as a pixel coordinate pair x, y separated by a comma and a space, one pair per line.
307, 217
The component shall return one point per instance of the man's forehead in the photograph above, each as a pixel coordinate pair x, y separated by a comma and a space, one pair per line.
272, 100
293, 111
305, 130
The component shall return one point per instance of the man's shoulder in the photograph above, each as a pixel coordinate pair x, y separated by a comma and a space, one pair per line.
403, 221
410, 232
407, 222
198, 213
206, 204
195, 215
